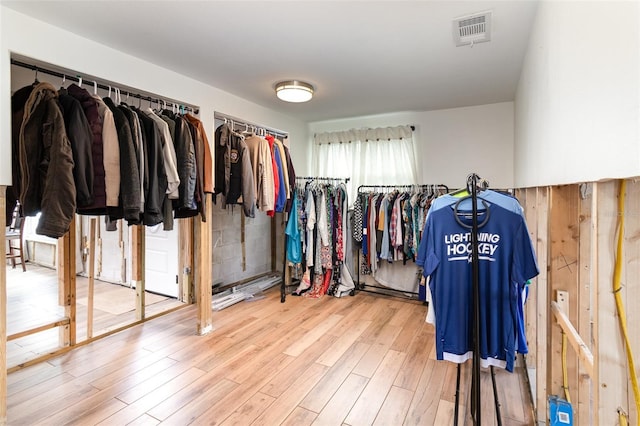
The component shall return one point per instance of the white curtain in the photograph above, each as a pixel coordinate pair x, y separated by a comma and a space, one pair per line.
381, 156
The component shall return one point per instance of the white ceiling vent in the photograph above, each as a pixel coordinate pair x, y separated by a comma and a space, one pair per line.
471, 29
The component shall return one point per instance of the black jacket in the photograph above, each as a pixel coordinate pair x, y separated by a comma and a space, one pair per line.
79, 134
185, 205
18, 100
157, 179
90, 108
129, 203
46, 164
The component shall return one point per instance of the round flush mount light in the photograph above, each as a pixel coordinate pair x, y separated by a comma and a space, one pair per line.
294, 91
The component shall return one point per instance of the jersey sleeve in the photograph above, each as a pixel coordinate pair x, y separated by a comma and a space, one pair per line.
524, 266
427, 257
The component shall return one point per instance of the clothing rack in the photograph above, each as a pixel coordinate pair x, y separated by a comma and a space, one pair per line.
390, 291
74, 76
475, 184
283, 287
249, 125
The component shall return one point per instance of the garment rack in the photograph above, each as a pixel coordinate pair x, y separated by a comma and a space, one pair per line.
73, 76
390, 291
475, 184
247, 124
283, 287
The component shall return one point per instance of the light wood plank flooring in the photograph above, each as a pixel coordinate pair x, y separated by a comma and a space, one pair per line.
32, 300
359, 360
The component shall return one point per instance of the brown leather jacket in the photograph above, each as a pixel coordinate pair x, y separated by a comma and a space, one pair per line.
46, 163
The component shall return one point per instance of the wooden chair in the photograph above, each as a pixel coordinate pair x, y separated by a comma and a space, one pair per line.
13, 234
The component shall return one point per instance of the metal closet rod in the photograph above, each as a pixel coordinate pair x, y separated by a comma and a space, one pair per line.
103, 86
241, 122
424, 186
345, 180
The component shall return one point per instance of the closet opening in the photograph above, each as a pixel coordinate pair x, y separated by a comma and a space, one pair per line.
108, 272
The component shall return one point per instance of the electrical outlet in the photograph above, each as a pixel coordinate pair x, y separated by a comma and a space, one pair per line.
562, 299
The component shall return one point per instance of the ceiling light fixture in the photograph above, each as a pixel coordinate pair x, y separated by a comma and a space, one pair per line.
294, 91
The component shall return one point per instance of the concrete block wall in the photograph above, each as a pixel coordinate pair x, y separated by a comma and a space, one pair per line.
227, 246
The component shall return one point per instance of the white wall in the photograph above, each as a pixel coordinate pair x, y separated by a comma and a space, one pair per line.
25, 36
450, 143
576, 109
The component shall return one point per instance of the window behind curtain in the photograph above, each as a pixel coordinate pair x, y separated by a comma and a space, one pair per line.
382, 156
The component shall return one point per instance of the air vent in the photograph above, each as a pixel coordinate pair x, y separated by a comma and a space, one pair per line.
471, 29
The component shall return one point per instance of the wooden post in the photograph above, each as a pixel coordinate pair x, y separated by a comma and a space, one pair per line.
67, 283
3, 316
185, 281
629, 281
583, 399
203, 266
542, 313
137, 268
92, 260
595, 290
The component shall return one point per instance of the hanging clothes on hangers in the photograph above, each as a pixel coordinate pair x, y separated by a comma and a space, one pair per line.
320, 223
46, 166
234, 175
506, 262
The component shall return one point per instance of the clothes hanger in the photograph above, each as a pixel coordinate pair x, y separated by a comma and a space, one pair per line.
35, 80
64, 78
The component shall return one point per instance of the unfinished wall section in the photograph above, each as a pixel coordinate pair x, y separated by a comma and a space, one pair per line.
574, 230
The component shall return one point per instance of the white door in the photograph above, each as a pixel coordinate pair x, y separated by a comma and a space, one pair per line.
161, 260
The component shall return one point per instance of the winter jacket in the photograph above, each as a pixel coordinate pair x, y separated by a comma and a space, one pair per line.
110, 153
156, 190
198, 144
134, 125
292, 177
168, 153
79, 134
185, 205
46, 163
262, 166
234, 175
203, 151
90, 108
18, 100
129, 204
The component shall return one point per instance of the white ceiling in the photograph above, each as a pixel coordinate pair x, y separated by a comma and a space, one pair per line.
363, 57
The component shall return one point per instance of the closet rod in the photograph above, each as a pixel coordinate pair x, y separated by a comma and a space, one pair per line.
423, 186
103, 86
239, 121
345, 180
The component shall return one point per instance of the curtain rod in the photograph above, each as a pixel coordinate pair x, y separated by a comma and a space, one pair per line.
323, 178
103, 86
241, 122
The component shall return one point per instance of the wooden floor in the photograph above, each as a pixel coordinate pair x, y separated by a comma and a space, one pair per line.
32, 300
358, 360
